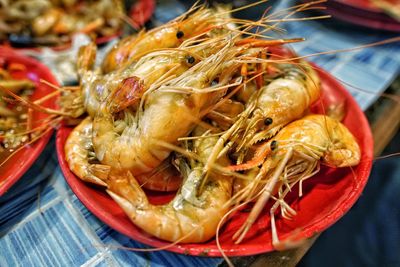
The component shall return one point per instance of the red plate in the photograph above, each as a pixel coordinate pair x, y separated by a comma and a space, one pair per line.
360, 4
362, 13
141, 11
17, 165
328, 196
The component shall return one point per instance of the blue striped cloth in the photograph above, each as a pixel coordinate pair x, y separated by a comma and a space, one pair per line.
42, 223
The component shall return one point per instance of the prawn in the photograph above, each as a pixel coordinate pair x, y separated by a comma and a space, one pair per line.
95, 87
269, 109
169, 35
293, 156
82, 161
80, 156
178, 220
185, 96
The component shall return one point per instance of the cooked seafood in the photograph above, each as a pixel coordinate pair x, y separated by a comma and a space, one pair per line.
40, 22
95, 87
169, 35
135, 148
293, 156
205, 107
283, 100
13, 118
178, 220
80, 155
82, 161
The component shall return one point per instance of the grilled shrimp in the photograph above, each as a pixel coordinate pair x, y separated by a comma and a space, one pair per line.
82, 161
169, 111
293, 156
178, 220
168, 35
95, 87
80, 156
270, 108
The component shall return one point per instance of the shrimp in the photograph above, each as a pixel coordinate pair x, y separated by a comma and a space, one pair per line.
95, 87
170, 111
44, 23
270, 108
169, 35
293, 156
82, 161
178, 220
80, 156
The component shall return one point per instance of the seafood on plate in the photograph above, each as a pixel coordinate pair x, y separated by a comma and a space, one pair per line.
14, 131
291, 157
170, 48
178, 220
45, 22
284, 99
169, 35
215, 113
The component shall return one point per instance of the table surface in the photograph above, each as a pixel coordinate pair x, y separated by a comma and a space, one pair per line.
43, 223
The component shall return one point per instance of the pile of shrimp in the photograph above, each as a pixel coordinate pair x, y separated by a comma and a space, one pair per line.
52, 22
205, 107
13, 117
20, 121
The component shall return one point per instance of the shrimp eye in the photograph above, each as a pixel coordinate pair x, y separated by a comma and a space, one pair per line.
274, 144
268, 121
190, 59
179, 34
215, 82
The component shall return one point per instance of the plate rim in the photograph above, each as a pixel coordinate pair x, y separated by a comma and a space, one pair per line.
378, 21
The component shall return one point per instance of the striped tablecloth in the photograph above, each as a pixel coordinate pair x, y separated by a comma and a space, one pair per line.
42, 223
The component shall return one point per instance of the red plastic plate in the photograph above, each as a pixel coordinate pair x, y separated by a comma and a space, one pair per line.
361, 4
14, 168
327, 196
141, 11
362, 13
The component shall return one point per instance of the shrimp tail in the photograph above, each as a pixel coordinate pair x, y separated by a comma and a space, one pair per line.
164, 178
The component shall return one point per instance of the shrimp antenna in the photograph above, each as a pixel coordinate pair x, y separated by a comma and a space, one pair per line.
33, 105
